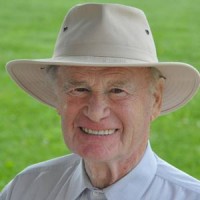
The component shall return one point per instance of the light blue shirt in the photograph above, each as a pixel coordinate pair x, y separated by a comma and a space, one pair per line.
65, 179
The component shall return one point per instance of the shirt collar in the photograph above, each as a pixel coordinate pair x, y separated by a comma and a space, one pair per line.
78, 183
137, 181
134, 184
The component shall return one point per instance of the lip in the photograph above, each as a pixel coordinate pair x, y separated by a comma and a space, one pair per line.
99, 132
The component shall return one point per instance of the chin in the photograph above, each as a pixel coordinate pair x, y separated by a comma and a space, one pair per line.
95, 154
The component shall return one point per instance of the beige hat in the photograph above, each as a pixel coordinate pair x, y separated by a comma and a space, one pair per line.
106, 35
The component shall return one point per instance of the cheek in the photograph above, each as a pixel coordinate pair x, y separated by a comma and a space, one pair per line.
68, 113
69, 110
136, 116
68, 107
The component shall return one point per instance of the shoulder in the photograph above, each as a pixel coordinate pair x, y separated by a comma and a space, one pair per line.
41, 178
176, 178
60, 163
50, 170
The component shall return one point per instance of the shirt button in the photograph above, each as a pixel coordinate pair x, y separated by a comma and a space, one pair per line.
95, 193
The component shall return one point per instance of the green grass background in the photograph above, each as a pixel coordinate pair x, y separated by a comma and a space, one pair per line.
30, 131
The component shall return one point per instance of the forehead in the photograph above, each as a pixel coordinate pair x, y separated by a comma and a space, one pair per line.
120, 73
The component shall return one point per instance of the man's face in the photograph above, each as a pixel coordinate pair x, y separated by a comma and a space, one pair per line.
105, 112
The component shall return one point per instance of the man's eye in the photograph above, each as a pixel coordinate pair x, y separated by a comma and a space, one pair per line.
81, 90
78, 91
116, 91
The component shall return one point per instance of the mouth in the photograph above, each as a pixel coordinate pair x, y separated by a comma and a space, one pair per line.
98, 132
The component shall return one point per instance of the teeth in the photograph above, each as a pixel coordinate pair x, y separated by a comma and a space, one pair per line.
101, 132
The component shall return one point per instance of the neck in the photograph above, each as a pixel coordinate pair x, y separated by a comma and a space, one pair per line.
102, 174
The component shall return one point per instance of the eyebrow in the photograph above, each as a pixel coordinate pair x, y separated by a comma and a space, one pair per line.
122, 84
119, 83
74, 83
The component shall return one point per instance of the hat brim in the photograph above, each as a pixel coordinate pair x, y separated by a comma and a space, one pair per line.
182, 80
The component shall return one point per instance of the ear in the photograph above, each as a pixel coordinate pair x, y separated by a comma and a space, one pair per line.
58, 105
157, 98
58, 111
60, 108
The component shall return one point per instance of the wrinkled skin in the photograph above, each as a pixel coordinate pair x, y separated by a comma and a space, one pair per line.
116, 103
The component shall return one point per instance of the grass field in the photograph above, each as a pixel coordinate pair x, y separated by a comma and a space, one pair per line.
30, 131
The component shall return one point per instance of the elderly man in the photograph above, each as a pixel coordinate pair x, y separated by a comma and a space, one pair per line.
107, 85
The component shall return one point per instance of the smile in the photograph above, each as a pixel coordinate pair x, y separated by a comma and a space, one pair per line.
99, 132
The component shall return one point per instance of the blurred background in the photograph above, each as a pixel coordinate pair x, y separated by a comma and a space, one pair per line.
30, 131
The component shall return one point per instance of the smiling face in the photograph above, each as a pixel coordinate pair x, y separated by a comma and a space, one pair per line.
106, 112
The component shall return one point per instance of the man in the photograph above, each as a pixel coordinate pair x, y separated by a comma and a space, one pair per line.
107, 85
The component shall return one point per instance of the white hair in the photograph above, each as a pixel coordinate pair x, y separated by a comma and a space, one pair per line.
155, 76
52, 70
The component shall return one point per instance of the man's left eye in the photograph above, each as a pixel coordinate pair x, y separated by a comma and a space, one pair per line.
118, 93
116, 90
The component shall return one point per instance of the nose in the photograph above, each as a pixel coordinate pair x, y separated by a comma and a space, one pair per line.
97, 108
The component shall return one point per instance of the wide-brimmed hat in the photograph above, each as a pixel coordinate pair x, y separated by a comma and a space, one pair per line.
106, 35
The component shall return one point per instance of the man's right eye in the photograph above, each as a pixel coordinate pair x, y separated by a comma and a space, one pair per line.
78, 91
81, 90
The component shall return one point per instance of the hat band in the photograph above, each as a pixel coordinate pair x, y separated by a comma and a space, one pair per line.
104, 50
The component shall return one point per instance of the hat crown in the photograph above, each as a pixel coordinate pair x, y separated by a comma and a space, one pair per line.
106, 30
106, 35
